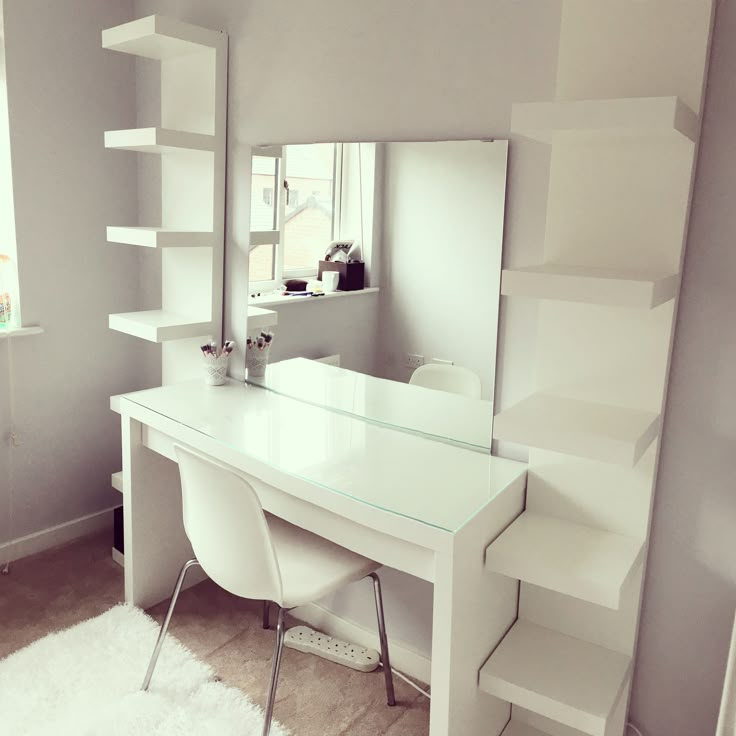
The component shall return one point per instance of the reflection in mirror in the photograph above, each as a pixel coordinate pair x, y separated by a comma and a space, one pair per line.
422, 229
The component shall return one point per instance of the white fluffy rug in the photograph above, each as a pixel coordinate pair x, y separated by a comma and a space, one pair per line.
85, 682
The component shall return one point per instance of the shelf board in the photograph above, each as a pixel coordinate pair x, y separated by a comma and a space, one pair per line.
117, 481
580, 561
159, 237
158, 140
633, 116
517, 728
612, 434
258, 318
605, 286
158, 326
159, 37
568, 680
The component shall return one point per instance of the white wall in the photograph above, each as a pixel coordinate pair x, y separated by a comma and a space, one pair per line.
690, 590
64, 91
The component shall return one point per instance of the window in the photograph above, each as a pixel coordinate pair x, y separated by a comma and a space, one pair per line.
290, 231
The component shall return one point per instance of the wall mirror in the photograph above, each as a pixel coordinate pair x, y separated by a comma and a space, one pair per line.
412, 332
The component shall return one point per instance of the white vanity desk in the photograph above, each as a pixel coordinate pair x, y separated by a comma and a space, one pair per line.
410, 502
436, 414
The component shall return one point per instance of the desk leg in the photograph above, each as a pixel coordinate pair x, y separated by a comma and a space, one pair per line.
155, 543
473, 610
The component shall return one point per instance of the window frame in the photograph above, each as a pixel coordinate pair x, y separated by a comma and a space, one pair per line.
275, 237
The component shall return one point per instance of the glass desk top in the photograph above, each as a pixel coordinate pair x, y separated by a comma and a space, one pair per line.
435, 483
437, 414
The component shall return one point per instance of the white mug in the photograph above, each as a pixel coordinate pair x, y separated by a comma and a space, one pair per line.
330, 280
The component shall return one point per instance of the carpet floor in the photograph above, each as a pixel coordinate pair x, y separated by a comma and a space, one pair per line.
62, 587
85, 681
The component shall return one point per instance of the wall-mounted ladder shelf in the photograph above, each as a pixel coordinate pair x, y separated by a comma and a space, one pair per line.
159, 37
581, 561
159, 140
158, 325
612, 434
623, 132
189, 138
568, 680
632, 117
160, 237
590, 285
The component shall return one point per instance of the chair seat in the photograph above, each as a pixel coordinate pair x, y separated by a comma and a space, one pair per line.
312, 567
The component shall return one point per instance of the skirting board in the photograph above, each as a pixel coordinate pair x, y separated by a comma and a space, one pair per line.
403, 658
56, 535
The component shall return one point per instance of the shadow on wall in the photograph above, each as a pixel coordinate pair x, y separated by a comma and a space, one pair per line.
691, 578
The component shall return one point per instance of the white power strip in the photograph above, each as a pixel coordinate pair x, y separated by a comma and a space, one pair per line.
355, 656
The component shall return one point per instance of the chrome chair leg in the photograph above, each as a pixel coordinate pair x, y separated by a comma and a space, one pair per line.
266, 612
165, 625
275, 667
387, 674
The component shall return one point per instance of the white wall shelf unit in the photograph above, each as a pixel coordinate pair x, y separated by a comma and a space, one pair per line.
161, 38
580, 561
624, 127
156, 325
568, 680
117, 481
590, 285
190, 138
634, 116
158, 140
158, 237
611, 434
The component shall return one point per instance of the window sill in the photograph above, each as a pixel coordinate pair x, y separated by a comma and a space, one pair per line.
269, 300
20, 331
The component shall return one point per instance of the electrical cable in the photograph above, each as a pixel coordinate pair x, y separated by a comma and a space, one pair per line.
634, 728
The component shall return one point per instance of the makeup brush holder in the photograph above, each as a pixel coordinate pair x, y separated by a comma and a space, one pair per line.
256, 361
215, 370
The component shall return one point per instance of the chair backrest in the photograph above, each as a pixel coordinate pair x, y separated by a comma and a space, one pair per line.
225, 523
451, 378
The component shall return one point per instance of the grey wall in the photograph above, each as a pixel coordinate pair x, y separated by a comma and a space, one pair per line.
690, 592
63, 92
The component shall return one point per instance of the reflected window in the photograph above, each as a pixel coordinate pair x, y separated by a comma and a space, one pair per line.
292, 210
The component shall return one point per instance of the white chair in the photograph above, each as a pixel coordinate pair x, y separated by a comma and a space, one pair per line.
255, 555
451, 378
